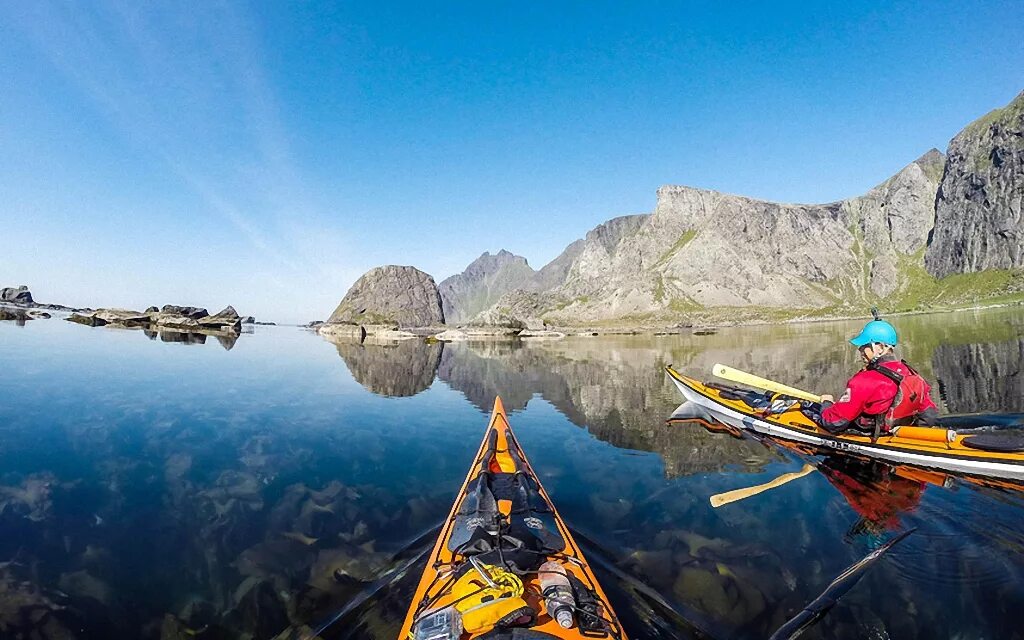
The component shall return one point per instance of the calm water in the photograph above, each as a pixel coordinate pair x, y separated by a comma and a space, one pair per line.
167, 489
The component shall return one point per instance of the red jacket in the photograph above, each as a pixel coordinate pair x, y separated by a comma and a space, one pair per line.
870, 394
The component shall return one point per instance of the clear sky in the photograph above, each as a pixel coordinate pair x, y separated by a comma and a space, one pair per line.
266, 155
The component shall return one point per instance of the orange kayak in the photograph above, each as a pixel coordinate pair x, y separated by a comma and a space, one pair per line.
505, 565
783, 418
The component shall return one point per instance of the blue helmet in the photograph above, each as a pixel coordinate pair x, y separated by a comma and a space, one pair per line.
875, 331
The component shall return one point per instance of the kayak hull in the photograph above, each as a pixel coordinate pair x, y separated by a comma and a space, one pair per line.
501, 454
794, 426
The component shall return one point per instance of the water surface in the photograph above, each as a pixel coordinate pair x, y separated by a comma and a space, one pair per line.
153, 487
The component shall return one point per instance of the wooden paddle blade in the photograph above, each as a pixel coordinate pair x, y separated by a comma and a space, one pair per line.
749, 379
719, 499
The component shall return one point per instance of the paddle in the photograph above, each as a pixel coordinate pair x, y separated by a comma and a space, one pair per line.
818, 607
735, 495
749, 379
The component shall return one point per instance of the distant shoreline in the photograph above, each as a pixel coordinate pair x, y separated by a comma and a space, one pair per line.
349, 332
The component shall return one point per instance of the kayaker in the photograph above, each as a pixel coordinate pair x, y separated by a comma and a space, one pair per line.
887, 392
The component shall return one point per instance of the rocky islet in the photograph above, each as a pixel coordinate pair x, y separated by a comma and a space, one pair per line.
168, 317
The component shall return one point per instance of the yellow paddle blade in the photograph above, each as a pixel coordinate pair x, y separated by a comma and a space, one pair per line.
719, 499
749, 379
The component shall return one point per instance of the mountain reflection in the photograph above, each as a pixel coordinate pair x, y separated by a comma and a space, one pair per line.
226, 340
391, 368
981, 377
615, 386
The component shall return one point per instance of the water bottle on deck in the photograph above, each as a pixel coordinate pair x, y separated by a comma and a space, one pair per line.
557, 592
445, 624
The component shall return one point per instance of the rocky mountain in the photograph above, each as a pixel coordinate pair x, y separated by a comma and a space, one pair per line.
484, 281
466, 295
391, 295
978, 223
707, 256
702, 249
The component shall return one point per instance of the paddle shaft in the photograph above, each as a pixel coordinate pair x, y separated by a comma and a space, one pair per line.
719, 499
749, 379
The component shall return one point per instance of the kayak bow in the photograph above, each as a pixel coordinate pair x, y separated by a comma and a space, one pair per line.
496, 554
932, 448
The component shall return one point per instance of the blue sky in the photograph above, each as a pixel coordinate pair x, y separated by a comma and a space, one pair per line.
265, 155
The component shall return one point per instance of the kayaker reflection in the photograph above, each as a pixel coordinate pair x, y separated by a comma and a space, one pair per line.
877, 492
886, 393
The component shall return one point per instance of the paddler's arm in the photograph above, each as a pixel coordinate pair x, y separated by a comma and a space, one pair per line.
929, 417
837, 416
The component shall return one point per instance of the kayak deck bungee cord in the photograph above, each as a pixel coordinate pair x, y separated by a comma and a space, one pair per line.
505, 565
785, 418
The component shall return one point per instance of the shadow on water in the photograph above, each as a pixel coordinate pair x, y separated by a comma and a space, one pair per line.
257, 500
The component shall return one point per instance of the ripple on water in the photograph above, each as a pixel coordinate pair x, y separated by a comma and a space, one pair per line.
967, 537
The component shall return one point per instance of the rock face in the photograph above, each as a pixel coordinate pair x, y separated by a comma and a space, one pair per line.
17, 295
225, 319
702, 249
189, 312
978, 222
484, 281
395, 295
20, 316
703, 255
473, 296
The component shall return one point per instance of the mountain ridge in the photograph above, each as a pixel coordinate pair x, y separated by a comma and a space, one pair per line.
702, 254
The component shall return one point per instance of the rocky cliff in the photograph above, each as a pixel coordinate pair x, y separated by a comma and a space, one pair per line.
707, 256
484, 281
469, 297
978, 210
702, 249
391, 295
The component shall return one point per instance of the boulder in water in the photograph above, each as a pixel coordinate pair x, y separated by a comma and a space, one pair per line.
87, 319
194, 313
17, 295
224, 319
391, 295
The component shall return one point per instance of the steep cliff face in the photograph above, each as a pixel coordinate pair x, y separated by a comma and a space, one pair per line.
702, 249
465, 296
391, 295
978, 222
703, 255
484, 281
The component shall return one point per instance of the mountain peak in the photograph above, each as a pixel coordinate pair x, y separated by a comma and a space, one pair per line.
486, 279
